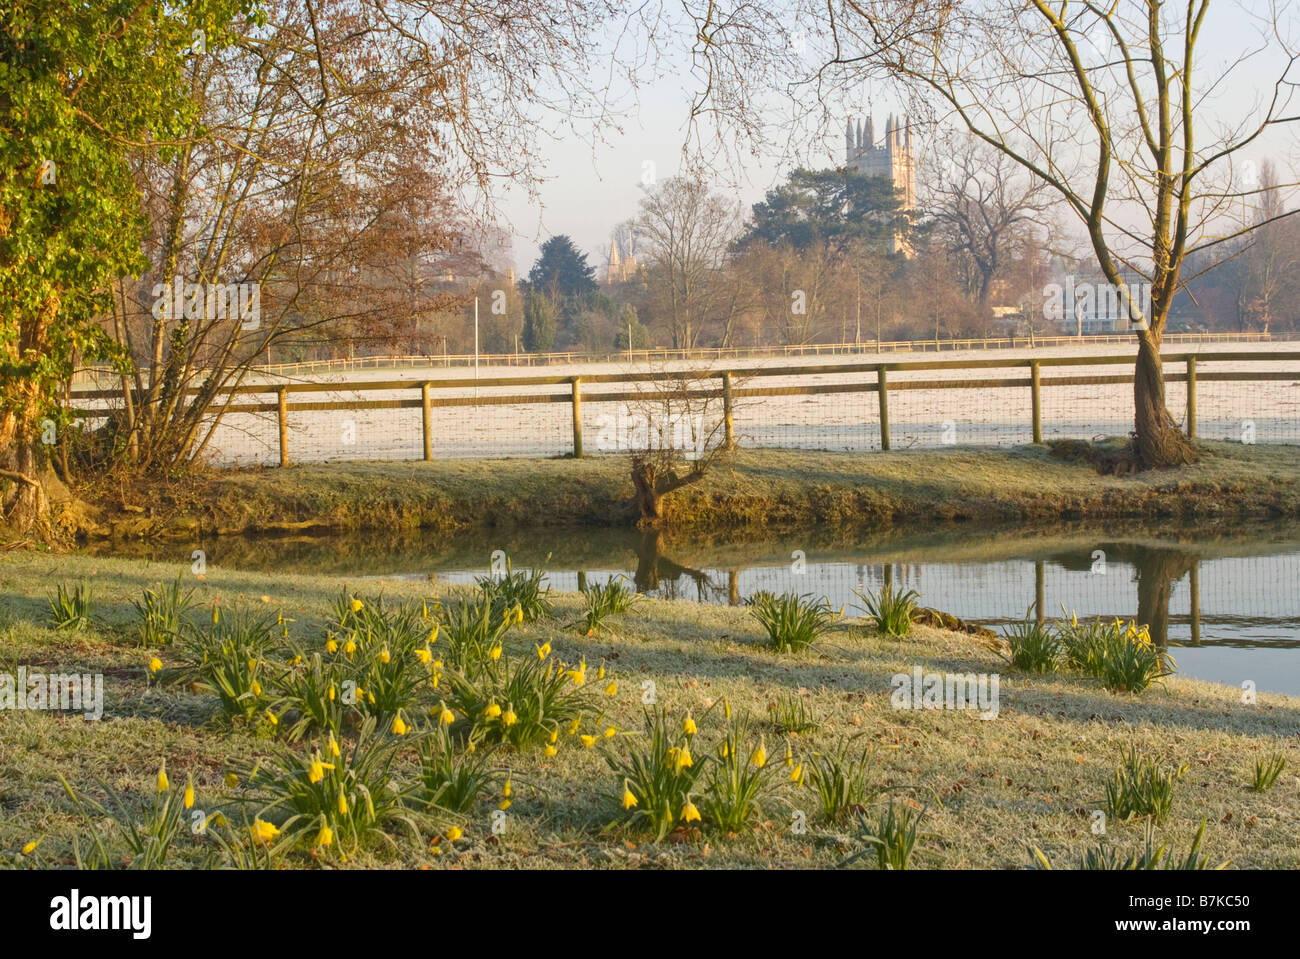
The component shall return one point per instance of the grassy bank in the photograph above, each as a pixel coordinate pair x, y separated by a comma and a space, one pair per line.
757, 489
1031, 776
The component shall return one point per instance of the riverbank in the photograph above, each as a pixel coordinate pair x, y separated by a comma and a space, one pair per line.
1033, 775
752, 489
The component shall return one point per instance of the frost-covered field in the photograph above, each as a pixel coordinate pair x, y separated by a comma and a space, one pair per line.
1264, 411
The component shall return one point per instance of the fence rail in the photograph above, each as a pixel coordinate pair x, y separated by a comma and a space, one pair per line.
741, 383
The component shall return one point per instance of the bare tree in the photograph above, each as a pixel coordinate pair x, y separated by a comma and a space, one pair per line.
686, 233
986, 207
1109, 105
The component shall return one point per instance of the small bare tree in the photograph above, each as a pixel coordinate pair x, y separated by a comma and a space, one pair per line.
674, 433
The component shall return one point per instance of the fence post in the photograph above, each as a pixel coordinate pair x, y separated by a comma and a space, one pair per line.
1191, 397
282, 397
728, 424
1040, 591
427, 422
882, 388
1037, 402
577, 417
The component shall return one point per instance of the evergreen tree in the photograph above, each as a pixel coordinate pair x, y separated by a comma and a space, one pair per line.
539, 323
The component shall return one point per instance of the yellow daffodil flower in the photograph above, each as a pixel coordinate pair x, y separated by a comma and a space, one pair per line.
163, 784
690, 813
189, 792
325, 837
629, 800
264, 831
689, 726
384, 656
424, 655
399, 727
454, 833
357, 605
588, 741
155, 664
492, 711
232, 780
612, 689
31, 846
544, 650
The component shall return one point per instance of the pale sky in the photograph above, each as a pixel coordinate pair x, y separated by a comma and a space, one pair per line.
588, 189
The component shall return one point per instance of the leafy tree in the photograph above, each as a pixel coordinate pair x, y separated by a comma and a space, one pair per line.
539, 323
562, 271
80, 85
827, 210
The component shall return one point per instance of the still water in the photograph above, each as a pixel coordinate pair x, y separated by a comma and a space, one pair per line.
1226, 600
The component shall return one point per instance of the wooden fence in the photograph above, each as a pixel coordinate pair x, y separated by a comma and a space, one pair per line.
1031, 375
719, 354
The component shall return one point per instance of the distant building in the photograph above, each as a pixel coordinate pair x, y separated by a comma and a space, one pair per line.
891, 158
620, 267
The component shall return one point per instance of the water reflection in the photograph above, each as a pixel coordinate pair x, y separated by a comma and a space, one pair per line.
1225, 595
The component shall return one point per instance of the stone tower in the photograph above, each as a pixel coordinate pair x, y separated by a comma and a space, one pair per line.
891, 157
619, 268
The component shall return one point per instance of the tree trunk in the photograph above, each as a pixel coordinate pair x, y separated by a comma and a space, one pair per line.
1160, 441
645, 481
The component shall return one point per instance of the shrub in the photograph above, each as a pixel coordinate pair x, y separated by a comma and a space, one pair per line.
148, 842
1105, 856
892, 611
522, 590
1140, 787
739, 777
161, 613
612, 598
70, 610
336, 796
450, 780
229, 659
474, 633
657, 776
520, 702
1122, 656
1035, 646
790, 714
842, 781
792, 622
1267, 771
891, 837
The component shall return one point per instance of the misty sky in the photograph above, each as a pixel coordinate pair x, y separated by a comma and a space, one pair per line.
589, 188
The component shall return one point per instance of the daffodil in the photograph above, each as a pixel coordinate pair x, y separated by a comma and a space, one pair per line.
495, 651
350, 647
629, 800
357, 605
504, 804
189, 792
343, 804
609, 733
759, 758
155, 664
555, 734
573, 728
550, 750
796, 775
334, 745
264, 831
600, 673
399, 727
509, 718
506, 790
454, 833
726, 709
325, 837
316, 770
232, 780
612, 688
424, 655
492, 711
331, 692
690, 813
384, 656
163, 784
544, 650
272, 718
689, 726
588, 741
446, 717
31, 846
256, 688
